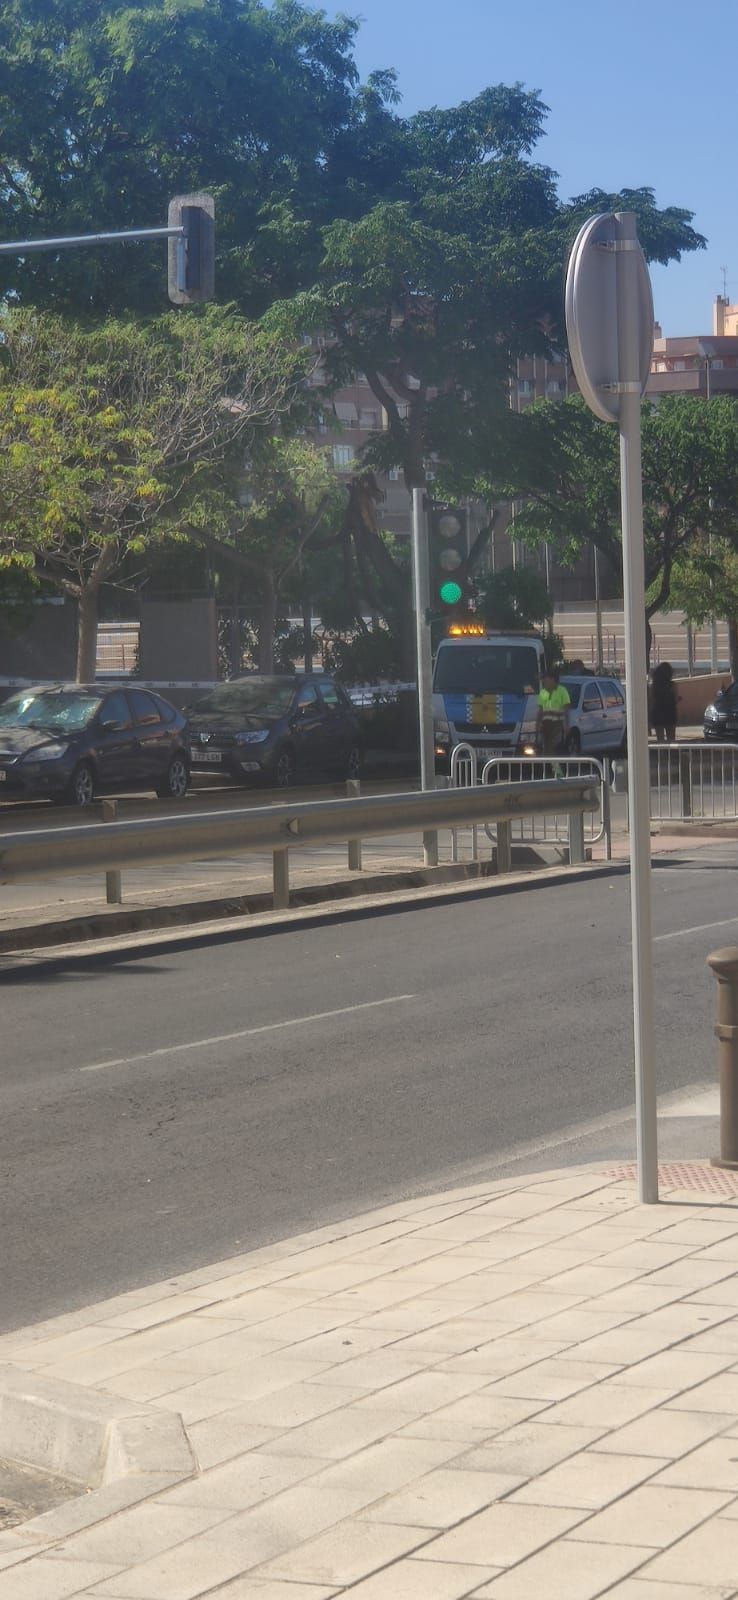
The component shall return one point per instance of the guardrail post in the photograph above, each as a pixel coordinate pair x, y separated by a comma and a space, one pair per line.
504, 846
685, 778
724, 965
576, 839
430, 848
113, 885
353, 789
281, 878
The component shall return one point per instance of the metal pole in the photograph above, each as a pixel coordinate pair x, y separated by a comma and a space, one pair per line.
113, 885
598, 609
21, 247
353, 790
576, 839
504, 847
634, 592
421, 591
281, 879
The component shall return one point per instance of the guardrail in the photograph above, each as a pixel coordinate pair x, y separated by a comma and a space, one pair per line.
694, 782
113, 846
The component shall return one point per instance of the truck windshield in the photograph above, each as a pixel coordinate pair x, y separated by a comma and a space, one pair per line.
486, 669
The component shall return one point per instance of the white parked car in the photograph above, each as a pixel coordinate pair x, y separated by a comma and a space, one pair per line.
596, 716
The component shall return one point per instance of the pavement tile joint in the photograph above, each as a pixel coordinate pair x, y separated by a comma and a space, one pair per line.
528, 1387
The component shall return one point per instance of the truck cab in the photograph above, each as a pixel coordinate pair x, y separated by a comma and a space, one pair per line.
485, 692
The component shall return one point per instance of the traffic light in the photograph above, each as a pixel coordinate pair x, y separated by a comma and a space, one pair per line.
449, 552
192, 254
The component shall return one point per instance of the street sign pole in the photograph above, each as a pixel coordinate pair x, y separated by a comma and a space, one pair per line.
609, 320
421, 591
636, 677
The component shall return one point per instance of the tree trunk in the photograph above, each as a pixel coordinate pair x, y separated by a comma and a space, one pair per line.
733, 646
87, 633
267, 623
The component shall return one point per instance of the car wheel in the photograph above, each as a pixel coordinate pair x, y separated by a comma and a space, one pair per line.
284, 770
573, 743
353, 765
81, 791
174, 785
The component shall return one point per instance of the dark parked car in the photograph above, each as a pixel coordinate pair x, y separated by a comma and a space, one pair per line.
721, 717
68, 742
281, 728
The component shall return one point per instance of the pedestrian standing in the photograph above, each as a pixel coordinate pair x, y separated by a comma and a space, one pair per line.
664, 700
553, 713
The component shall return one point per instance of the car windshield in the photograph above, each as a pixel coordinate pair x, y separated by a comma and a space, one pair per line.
573, 690
486, 669
268, 697
62, 709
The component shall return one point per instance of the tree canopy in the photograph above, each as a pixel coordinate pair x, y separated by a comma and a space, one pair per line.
563, 469
109, 107
106, 434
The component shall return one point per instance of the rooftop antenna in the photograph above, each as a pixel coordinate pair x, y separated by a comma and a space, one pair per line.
724, 271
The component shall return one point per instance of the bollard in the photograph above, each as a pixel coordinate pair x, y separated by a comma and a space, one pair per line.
724, 964
281, 879
504, 846
113, 888
353, 789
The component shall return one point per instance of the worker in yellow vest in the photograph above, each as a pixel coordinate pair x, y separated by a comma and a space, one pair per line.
553, 713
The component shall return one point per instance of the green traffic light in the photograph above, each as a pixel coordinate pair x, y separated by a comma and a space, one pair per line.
450, 593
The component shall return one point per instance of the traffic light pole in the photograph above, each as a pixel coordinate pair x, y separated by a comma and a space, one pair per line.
190, 234
421, 593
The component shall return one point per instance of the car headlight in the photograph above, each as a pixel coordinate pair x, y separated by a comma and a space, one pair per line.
711, 714
47, 752
256, 737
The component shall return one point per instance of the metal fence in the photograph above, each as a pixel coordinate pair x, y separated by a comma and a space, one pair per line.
112, 846
694, 782
548, 828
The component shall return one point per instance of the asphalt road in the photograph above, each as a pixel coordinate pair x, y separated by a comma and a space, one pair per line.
176, 1108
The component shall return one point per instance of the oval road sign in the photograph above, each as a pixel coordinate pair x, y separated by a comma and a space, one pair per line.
592, 316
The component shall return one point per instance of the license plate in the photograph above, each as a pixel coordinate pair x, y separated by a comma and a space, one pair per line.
209, 757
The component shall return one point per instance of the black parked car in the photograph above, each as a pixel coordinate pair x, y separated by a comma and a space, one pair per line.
721, 718
68, 742
280, 728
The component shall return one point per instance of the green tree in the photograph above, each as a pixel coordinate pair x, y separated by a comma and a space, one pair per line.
563, 468
108, 107
705, 585
261, 519
106, 435
445, 266
514, 598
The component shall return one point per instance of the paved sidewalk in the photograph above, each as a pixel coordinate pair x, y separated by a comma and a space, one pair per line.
525, 1389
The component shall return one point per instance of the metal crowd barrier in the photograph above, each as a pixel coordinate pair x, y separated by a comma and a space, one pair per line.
694, 782
539, 827
113, 846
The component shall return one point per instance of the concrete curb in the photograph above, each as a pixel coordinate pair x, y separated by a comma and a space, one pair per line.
113, 1452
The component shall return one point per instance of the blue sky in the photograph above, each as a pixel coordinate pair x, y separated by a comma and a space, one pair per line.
640, 92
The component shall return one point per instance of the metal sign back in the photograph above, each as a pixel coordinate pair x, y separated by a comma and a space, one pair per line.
592, 316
